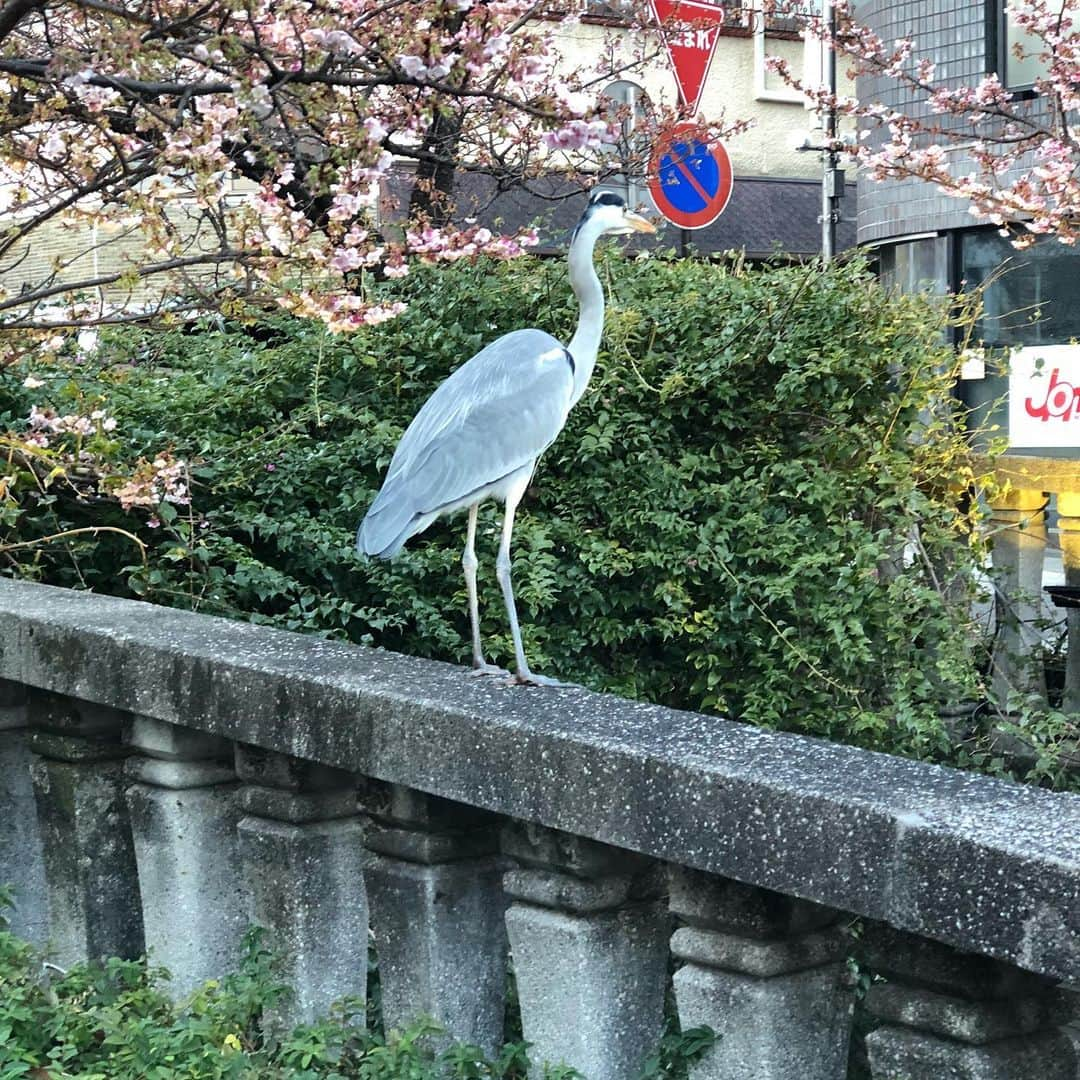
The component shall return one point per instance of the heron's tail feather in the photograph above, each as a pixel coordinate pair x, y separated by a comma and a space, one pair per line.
386, 527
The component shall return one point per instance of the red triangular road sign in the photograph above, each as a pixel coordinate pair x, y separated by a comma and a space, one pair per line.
689, 29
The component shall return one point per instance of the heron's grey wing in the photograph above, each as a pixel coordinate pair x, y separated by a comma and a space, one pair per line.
497, 413
506, 362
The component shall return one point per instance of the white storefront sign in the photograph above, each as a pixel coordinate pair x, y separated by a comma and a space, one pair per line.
1044, 396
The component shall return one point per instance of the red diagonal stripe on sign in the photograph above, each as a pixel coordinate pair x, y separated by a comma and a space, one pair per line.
694, 182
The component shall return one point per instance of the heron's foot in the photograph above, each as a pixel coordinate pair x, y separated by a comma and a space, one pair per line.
528, 678
487, 669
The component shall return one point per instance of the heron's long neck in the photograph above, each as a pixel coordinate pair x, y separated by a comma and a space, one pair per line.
585, 344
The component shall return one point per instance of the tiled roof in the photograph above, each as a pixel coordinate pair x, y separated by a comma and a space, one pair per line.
770, 213
765, 214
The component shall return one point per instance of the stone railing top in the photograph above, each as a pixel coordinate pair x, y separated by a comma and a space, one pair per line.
983, 864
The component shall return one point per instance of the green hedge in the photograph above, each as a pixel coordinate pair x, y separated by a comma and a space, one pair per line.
114, 1020
755, 510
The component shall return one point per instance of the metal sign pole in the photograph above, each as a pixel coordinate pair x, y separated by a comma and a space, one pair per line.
832, 181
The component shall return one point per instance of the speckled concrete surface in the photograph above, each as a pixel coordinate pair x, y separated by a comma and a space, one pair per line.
307, 890
987, 865
441, 940
194, 897
591, 985
902, 1054
93, 896
21, 864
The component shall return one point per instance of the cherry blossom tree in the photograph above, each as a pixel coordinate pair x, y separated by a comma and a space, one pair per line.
201, 155
1015, 157
236, 151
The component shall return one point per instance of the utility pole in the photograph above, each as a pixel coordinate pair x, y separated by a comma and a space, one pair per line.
832, 180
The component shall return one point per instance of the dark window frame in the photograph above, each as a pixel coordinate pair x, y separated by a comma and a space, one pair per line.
1009, 335
997, 53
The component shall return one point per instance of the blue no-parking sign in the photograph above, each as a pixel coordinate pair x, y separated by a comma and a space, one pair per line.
691, 180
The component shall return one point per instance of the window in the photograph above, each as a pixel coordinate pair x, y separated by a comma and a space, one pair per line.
916, 265
1005, 40
1032, 297
629, 104
787, 22
617, 10
791, 16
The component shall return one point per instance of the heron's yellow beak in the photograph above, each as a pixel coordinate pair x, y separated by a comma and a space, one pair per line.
638, 223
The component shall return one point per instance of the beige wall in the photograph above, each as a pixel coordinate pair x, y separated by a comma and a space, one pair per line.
732, 89
76, 251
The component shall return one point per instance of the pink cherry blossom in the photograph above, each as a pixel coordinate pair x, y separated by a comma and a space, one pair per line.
244, 151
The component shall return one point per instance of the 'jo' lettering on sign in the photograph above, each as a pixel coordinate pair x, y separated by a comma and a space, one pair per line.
1044, 396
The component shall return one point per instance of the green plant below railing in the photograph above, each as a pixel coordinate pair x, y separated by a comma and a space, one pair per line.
112, 1020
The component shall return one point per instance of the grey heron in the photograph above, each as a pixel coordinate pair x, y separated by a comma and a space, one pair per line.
481, 433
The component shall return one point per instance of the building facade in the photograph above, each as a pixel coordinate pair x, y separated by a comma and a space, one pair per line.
926, 240
776, 196
1023, 380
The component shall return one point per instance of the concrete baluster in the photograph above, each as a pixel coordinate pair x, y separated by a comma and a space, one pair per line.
767, 973
435, 895
301, 845
21, 863
184, 815
78, 778
944, 1013
588, 936
1071, 1030
1018, 521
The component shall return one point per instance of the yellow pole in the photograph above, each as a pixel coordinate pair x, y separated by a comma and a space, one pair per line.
1069, 527
1018, 518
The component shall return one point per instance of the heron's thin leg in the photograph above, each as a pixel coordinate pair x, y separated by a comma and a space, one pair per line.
502, 572
469, 564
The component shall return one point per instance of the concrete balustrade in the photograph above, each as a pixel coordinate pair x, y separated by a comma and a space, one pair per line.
20, 847
171, 778
93, 897
1019, 547
183, 809
433, 875
588, 933
947, 1013
767, 973
302, 856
